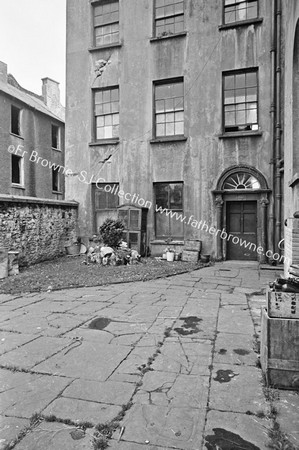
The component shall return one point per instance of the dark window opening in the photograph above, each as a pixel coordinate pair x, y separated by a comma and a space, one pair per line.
240, 96
106, 202
169, 109
16, 169
15, 120
169, 197
55, 137
237, 11
55, 180
169, 17
106, 23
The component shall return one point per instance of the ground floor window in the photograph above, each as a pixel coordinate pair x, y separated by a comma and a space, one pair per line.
106, 201
169, 210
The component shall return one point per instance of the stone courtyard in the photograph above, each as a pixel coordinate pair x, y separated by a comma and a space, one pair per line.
174, 360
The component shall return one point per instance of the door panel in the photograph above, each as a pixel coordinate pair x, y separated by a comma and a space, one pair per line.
242, 225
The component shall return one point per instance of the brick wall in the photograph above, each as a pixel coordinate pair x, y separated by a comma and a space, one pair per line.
37, 228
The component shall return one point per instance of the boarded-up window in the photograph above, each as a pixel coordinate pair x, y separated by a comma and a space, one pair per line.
106, 23
106, 104
169, 210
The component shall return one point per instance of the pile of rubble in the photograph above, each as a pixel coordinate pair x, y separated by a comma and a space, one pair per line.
101, 254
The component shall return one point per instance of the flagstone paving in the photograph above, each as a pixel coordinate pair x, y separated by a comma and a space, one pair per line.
172, 360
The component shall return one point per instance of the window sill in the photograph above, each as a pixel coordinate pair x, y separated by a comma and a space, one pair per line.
238, 134
104, 47
294, 181
57, 192
104, 142
57, 149
18, 186
243, 23
168, 139
17, 135
170, 36
164, 242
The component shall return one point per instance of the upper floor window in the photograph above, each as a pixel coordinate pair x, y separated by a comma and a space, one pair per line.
106, 104
55, 137
56, 180
106, 22
169, 108
17, 170
240, 95
169, 17
239, 10
15, 127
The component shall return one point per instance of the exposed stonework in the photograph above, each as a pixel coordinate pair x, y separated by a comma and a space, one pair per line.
38, 229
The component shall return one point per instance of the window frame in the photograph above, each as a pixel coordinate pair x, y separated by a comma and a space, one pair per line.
58, 138
236, 22
12, 131
179, 211
94, 4
21, 171
94, 131
160, 83
237, 72
94, 190
59, 190
155, 35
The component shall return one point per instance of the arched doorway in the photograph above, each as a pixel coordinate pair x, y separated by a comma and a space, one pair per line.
241, 200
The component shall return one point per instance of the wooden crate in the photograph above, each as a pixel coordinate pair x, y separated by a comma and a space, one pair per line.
280, 351
190, 255
193, 244
283, 304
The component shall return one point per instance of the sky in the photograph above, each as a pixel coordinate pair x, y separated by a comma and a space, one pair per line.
32, 41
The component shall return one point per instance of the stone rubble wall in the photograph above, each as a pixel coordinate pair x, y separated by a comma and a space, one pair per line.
39, 229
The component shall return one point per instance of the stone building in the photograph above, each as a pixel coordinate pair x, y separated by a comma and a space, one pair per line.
35, 220
31, 127
175, 106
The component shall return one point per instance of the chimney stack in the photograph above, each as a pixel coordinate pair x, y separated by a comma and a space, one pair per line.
3, 72
51, 95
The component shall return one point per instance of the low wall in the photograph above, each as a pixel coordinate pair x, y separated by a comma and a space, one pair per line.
37, 228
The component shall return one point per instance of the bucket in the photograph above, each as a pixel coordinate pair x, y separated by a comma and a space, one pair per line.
13, 263
73, 249
170, 256
3, 263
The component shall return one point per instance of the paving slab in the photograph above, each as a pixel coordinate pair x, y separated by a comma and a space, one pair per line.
172, 390
233, 320
110, 392
10, 428
165, 427
229, 431
54, 436
81, 410
32, 353
288, 414
237, 389
23, 394
235, 349
184, 358
10, 341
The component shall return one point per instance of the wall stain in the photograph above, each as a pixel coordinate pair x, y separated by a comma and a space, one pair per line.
241, 351
99, 323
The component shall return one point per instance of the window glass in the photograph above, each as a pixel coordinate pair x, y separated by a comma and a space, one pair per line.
106, 114
169, 17
239, 10
106, 23
169, 196
169, 98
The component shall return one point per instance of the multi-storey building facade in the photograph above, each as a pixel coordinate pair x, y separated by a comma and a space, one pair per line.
32, 139
173, 105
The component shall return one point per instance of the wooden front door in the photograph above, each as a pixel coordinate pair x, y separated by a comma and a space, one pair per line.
242, 225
